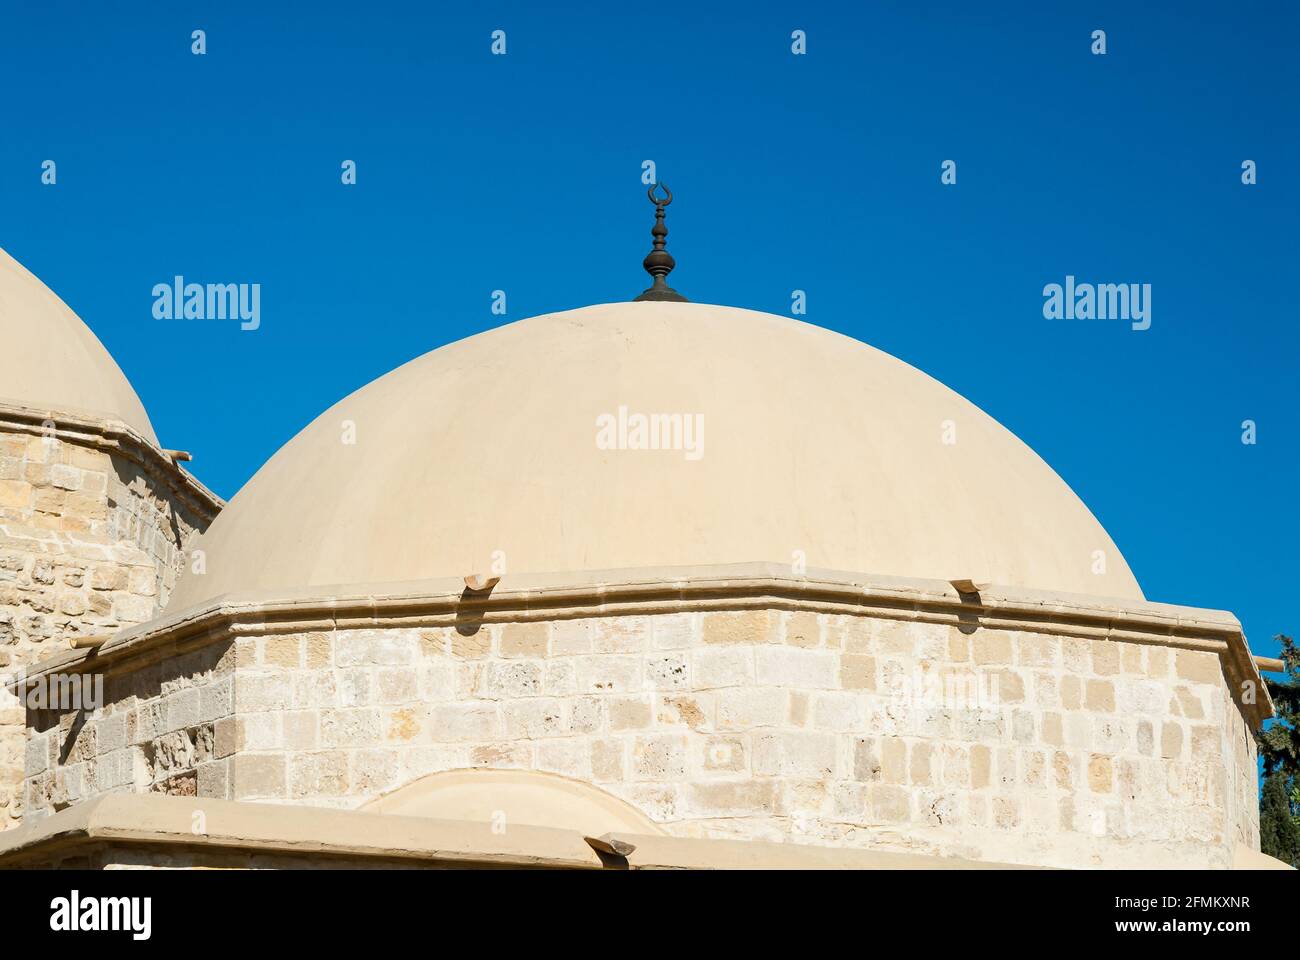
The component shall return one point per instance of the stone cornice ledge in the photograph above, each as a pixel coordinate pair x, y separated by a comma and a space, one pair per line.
114, 436
166, 824
446, 602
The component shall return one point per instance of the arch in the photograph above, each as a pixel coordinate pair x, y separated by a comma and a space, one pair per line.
525, 797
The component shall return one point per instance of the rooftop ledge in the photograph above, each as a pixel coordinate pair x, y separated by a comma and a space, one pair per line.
106, 433
166, 824
629, 592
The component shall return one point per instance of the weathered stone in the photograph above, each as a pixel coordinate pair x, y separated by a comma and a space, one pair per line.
1198, 666
802, 629
857, 672
750, 626
1101, 696
524, 639
629, 713
258, 776
992, 647
1100, 779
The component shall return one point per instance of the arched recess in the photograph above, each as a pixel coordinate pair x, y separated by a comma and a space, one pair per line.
519, 796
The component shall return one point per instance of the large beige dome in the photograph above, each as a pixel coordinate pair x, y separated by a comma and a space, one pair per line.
51, 359
815, 446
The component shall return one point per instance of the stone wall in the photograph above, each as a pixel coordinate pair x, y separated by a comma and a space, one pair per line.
955, 740
91, 541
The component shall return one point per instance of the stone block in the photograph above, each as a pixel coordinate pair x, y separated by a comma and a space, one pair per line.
722, 667
620, 634
355, 727
889, 803
1105, 657
692, 710
674, 631
182, 709
981, 758
405, 724
498, 756
1101, 696
857, 672
524, 639
1008, 687
659, 757
570, 637
372, 772
396, 685
803, 629
323, 774
793, 667
214, 779
992, 647
837, 711
629, 713
893, 760
319, 650
667, 671
467, 721
282, 651
747, 626
729, 799
254, 692
795, 753
472, 646
1033, 650
1100, 774
217, 699
258, 776
724, 755
610, 673
301, 729
534, 718
1198, 666
567, 758
608, 761
745, 708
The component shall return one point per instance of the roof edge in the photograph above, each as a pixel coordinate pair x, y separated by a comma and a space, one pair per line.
115, 436
448, 602
268, 828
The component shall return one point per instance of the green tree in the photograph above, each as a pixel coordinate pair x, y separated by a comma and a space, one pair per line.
1279, 752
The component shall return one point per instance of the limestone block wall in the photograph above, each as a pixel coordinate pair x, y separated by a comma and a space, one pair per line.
768, 724
91, 540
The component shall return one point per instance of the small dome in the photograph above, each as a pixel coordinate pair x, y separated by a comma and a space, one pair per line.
51, 359
519, 444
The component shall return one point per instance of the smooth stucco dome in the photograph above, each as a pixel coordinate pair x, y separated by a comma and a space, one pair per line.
812, 442
52, 361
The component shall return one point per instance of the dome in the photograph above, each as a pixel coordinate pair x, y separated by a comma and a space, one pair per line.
52, 361
521, 444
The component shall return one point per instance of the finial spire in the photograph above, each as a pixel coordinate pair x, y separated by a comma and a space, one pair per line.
659, 262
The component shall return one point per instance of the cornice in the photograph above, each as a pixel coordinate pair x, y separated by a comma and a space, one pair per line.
88, 430
448, 603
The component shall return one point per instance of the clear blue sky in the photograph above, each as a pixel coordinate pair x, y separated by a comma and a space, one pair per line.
818, 172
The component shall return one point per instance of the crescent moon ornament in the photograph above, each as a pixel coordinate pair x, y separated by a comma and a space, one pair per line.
655, 200
659, 262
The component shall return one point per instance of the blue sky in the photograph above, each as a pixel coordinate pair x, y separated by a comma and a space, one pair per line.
819, 172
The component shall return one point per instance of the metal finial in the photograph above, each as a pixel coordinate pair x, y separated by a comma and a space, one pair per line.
659, 262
